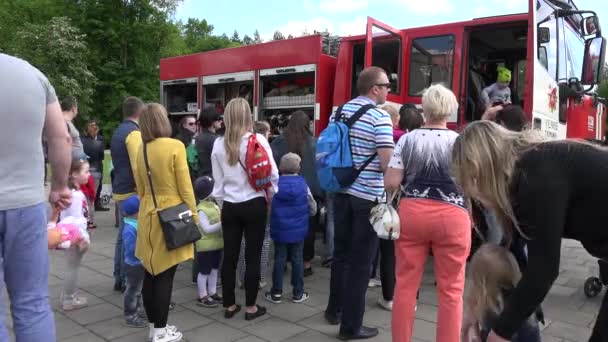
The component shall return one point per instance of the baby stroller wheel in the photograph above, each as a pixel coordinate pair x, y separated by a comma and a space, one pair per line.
105, 200
593, 287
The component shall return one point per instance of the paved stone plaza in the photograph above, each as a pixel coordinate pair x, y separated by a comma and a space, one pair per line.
570, 315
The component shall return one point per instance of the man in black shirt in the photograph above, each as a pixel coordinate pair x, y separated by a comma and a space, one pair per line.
94, 148
210, 121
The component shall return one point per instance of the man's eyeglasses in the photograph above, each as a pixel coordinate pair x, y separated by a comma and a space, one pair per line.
191, 123
388, 85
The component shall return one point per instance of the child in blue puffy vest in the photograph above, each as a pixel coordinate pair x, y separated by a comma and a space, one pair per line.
291, 208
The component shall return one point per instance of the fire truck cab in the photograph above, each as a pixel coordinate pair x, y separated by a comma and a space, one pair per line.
555, 52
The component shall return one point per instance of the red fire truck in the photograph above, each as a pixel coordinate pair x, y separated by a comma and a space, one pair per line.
555, 51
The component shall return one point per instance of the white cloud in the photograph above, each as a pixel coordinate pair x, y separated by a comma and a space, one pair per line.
342, 5
353, 28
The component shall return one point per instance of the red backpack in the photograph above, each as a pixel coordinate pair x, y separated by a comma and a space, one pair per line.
257, 165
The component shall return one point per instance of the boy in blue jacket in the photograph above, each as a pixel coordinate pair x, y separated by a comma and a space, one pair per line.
134, 271
291, 207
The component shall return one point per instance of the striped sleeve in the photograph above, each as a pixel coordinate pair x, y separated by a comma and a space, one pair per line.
383, 130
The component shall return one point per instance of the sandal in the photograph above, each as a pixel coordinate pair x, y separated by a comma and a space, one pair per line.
91, 225
230, 313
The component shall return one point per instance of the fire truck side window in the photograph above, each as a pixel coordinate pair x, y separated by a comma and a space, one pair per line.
431, 61
547, 53
386, 54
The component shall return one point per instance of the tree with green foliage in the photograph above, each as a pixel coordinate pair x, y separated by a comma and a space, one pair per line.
59, 50
235, 37
278, 35
247, 40
256, 37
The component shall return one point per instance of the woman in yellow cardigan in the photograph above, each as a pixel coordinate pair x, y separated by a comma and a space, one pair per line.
172, 186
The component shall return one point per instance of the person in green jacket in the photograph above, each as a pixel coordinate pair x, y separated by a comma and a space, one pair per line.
209, 247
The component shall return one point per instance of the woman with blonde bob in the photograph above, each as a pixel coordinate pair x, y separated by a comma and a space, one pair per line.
172, 186
244, 210
493, 274
434, 217
545, 191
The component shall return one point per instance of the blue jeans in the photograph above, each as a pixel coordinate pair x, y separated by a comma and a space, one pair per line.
293, 252
134, 278
119, 260
329, 225
24, 267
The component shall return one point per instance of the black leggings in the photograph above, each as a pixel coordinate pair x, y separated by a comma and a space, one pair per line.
387, 268
248, 218
156, 294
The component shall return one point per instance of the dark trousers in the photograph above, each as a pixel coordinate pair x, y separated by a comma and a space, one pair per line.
238, 219
156, 294
284, 252
354, 245
387, 268
309, 242
600, 330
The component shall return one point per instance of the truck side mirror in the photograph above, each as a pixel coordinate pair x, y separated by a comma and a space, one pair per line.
590, 26
593, 63
544, 35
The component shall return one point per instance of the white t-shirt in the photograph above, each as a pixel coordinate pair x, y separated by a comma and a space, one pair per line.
231, 183
79, 207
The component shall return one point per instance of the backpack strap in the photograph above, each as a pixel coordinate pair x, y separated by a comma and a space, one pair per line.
338, 115
358, 114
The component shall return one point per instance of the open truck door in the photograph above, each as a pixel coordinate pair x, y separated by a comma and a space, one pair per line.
566, 66
384, 49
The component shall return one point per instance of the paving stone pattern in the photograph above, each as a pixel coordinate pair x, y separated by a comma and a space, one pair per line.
570, 315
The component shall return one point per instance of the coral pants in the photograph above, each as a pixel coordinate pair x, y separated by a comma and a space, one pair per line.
446, 229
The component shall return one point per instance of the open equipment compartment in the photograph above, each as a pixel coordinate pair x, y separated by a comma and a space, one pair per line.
285, 90
217, 90
180, 96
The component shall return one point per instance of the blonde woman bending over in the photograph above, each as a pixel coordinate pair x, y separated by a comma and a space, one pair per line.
545, 190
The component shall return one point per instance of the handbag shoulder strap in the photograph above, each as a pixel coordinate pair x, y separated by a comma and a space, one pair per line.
149, 175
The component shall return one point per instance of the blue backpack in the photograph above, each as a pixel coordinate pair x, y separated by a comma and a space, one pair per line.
334, 160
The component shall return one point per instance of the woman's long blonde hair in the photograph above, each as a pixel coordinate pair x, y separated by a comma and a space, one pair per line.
237, 118
492, 269
483, 159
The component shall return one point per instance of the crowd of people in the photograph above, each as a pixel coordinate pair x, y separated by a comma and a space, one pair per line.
246, 192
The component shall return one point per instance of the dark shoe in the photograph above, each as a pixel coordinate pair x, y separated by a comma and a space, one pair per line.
251, 316
102, 209
118, 287
308, 272
363, 334
332, 319
217, 298
171, 306
273, 298
299, 299
230, 313
207, 302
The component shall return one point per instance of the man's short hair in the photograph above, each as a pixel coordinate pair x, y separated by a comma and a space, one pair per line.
131, 106
67, 103
368, 78
208, 116
512, 117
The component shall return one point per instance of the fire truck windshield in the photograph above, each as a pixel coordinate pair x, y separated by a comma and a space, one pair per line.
574, 53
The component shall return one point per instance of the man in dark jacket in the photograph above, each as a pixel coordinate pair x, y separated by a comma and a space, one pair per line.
94, 147
124, 146
209, 121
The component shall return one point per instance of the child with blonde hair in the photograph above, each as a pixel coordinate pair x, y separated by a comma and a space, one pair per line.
494, 274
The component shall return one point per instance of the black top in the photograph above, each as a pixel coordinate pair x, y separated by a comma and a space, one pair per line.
308, 169
204, 147
527, 332
559, 191
94, 148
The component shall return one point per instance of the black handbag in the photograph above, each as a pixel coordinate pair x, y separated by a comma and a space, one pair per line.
177, 222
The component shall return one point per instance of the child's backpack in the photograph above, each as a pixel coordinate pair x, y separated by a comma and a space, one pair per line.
257, 165
192, 158
334, 160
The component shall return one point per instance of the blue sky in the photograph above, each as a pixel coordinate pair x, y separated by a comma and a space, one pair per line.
348, 17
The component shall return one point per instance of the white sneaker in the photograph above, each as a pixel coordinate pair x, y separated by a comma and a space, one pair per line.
151, 333
385, 304
167, 335
73, 303
373, 282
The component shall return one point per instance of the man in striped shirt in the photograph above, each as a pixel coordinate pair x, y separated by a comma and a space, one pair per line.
371, 137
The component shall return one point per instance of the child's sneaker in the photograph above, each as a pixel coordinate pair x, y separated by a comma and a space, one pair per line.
273, 298
73, 303
385, 304
166, 335
217, 298
299, 299
136, 321
207, 302
373, 282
